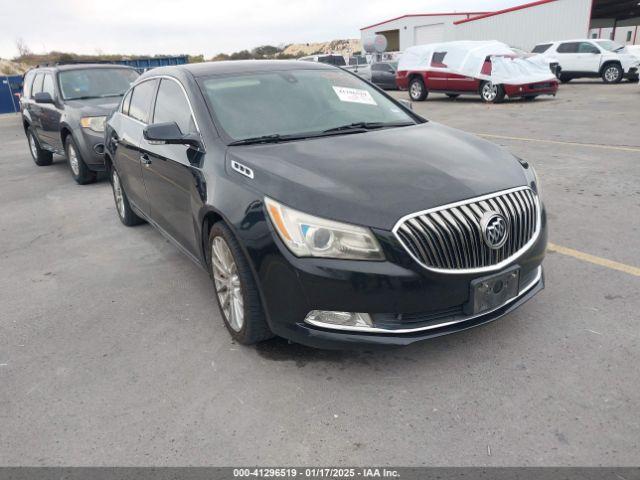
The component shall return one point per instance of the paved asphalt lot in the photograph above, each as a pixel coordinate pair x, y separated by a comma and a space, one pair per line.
112, 351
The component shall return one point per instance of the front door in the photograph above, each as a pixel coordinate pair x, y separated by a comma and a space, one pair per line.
49, 116
170, 172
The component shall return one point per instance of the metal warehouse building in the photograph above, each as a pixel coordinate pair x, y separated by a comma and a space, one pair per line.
523, 26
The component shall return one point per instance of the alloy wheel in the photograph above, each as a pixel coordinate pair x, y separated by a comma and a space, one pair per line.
416, 90
227, 283
33, 146
489, 92
73, 159
611, 74
117, 194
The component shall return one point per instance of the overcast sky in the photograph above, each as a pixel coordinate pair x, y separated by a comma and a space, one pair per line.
194, 26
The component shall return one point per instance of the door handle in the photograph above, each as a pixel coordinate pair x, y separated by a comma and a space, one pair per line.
144, 158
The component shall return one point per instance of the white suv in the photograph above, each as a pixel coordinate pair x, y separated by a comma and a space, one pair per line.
590, 58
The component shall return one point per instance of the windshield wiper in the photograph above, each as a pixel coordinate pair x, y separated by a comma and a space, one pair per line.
88, 97
275, 138
368, 126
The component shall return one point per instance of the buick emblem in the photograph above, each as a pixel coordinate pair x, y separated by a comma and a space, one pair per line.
494, 229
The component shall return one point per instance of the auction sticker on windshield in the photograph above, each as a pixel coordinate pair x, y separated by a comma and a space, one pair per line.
354, 95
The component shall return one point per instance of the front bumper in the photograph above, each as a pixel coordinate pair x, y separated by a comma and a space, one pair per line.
407, 302
91, 146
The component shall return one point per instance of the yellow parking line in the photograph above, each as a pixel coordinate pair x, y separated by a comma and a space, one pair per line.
558, 142
603, 262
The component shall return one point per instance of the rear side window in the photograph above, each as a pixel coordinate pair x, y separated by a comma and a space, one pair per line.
37, 84
28, 82
541, 48
141, 101
47, 85
172, 106
437, 61
569, 47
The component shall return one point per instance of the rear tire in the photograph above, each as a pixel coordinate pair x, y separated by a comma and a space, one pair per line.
490, 93
236, 291
126, 215
564, 78
417, 91
79, 170
41, 157
612, 73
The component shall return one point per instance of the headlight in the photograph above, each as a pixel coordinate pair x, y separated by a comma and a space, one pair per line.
93, 123
309, 236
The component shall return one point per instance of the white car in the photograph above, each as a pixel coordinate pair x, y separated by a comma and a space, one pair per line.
590, 58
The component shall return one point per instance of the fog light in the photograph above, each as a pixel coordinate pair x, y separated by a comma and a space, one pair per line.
322, 318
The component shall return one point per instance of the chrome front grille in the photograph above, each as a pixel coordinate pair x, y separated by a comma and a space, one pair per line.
450, 238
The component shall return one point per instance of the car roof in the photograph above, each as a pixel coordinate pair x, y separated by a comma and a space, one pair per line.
571, 40
236, 66
81, 66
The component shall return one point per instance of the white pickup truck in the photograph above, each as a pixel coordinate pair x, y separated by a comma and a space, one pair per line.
591, 58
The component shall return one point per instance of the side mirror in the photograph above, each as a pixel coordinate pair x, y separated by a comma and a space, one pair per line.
43, 97
406, 103
169, 133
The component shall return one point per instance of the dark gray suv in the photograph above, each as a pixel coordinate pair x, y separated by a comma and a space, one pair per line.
64, 109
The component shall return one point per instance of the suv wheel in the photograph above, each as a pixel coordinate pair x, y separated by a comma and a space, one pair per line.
612, 73
125, 213
564, 78
79, 170
491, 93
417, 90
236, 291
41, 157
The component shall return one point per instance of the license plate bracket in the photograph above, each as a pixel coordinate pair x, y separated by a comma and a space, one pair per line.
489, 292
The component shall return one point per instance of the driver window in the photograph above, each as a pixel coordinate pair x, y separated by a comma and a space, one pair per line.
47, 85
587, 48
172, 106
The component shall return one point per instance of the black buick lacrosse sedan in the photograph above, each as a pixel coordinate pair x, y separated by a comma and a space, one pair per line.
325, 211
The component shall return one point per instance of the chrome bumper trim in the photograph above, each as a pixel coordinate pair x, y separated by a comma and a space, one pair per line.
522, 291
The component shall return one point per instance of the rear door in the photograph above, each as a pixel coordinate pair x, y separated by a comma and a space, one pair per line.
168, 172
438, 75
134, 116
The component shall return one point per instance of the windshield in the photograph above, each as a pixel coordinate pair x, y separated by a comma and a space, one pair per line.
95, 83
296, 102
609, 45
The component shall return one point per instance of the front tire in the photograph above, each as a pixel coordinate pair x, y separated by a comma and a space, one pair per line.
612, 73
236, 291
41, 157
417, 91
126, 215
79, 170
490, 93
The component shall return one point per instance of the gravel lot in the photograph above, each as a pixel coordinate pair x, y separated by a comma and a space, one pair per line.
112, 351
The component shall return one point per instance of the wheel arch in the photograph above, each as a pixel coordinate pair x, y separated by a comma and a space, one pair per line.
212, 216
65, 131
608, 63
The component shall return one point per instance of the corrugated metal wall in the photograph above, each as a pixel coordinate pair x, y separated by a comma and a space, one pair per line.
524, 28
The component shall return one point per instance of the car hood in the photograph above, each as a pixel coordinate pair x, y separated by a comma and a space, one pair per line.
94, 106
375, 178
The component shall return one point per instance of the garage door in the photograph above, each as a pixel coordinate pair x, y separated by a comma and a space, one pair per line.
429, 34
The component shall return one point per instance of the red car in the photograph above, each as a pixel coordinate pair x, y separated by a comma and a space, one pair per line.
421, 82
